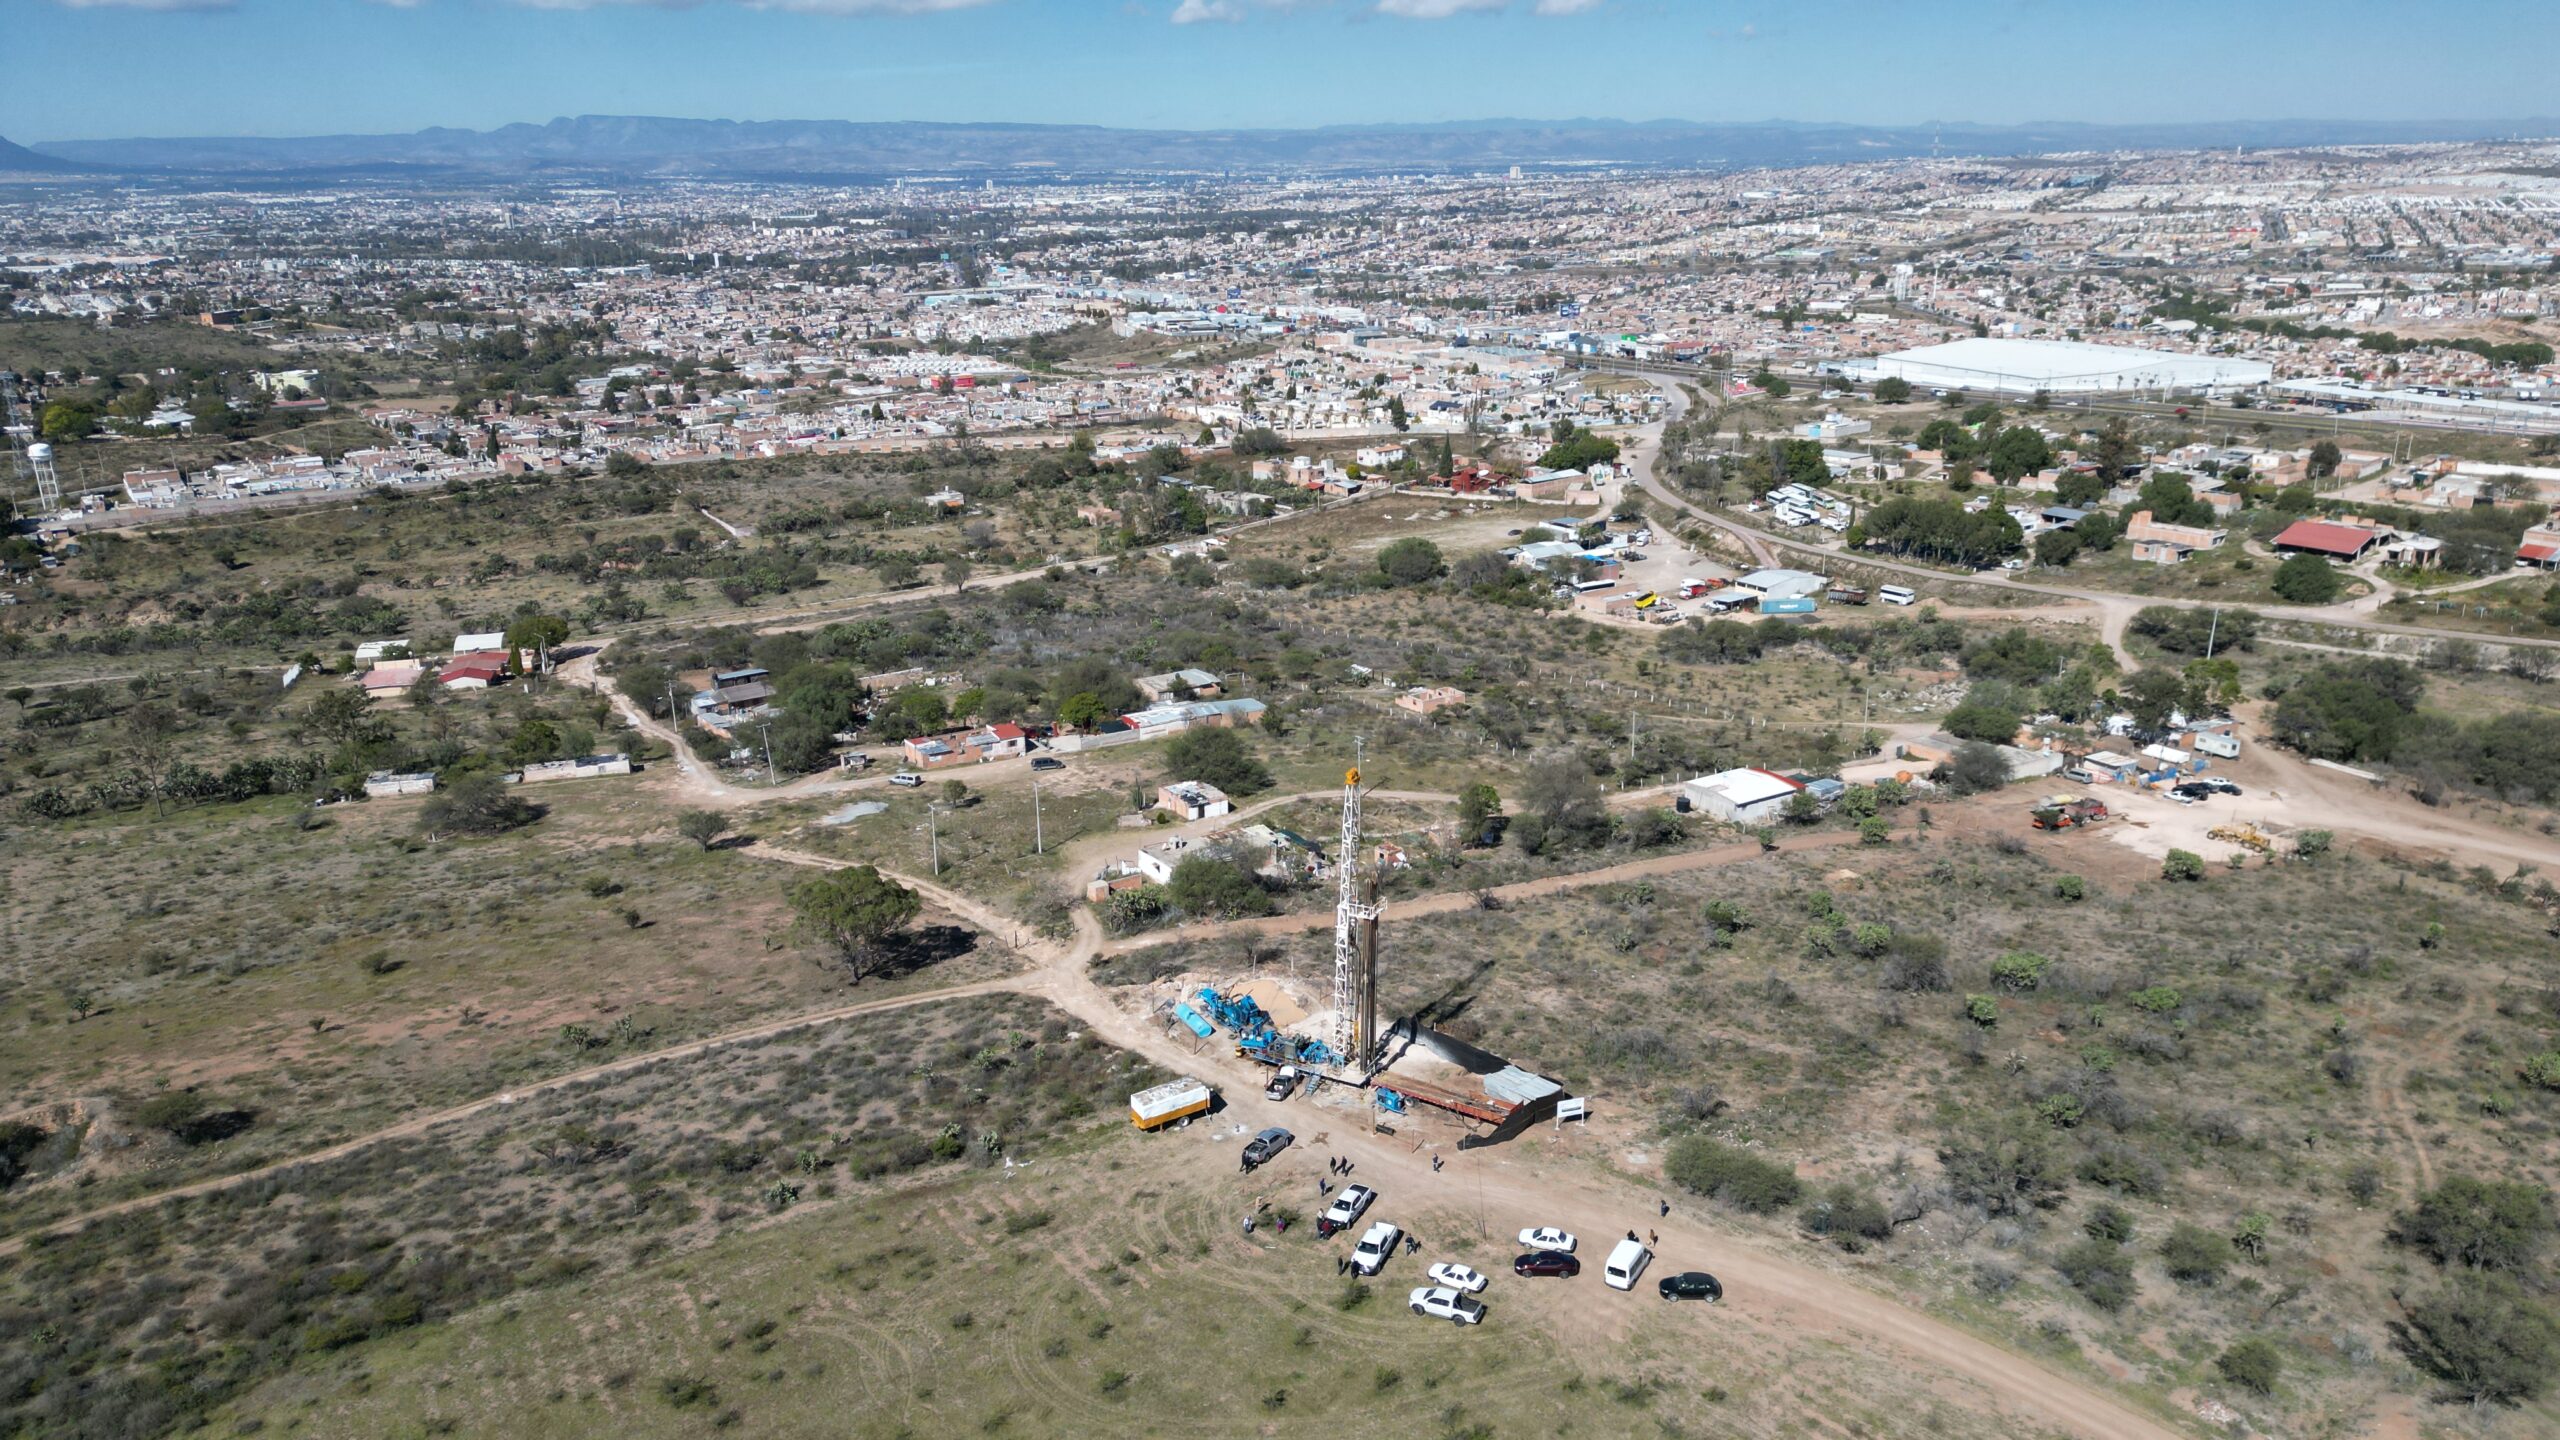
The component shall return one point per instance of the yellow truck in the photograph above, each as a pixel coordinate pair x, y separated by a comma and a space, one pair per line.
1161, 1105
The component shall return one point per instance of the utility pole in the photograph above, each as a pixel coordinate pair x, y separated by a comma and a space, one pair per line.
1039, 846
771, 776
933, 826
2212, 631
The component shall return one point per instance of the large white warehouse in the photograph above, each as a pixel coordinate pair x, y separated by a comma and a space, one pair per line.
2064, 367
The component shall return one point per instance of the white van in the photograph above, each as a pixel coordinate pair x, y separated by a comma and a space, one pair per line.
1626, 1264
1896, 594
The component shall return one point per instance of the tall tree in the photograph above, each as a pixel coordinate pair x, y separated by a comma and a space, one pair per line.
853, 912
539, 633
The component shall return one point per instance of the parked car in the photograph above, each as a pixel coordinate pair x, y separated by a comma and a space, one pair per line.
2216, 784
1547, 1237
1691, 1285
1547, 1262
1458, 1277
1047, 762
1376, 1244
906, 782
2192, 790
1262, 1149
1433, 1302
1346, 1209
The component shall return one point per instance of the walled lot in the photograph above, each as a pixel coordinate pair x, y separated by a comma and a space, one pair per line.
226, 949
1103, 1293
2309, 1058
2509, 607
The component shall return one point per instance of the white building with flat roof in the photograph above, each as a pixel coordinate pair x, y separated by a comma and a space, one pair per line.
2064, 367
1744, 797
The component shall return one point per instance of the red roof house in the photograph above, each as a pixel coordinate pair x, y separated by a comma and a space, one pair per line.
2329, 538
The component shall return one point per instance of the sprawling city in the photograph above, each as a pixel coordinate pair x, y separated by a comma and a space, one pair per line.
672, 776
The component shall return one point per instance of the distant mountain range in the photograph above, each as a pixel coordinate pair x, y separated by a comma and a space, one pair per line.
19, 160
643, 147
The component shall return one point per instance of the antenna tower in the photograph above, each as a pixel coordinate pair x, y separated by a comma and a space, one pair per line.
1355, 940
20, 432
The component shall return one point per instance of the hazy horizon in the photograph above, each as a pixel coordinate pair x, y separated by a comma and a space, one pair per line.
112, 69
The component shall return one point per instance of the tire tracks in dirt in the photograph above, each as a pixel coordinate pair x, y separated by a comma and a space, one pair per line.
420, 1124
2388, 1091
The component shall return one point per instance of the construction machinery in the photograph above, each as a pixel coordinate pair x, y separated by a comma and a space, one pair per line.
2245, 836
2067, 812
1257, 1038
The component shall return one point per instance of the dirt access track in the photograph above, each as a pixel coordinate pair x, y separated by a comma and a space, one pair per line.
1768, 1290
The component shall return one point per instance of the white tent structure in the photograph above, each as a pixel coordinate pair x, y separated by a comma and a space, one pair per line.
2063, 367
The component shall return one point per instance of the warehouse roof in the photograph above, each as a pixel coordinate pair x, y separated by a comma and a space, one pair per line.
2065, 365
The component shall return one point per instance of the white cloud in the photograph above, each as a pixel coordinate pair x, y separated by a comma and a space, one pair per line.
797, 7
1194, 12
1566, 7
1436, 9
160, 5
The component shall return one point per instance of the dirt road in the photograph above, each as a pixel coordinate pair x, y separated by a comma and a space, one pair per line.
420, 1124
1456, 900
1774, 1289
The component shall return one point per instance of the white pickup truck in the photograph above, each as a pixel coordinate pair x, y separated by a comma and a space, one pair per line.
1370, 1255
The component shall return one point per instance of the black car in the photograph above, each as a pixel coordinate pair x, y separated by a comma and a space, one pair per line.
2193, 791
1691, 1285
1547, 1262
1047, 762
1263, 1148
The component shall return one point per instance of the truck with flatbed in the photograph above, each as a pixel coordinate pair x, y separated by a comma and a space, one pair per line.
1161, 1105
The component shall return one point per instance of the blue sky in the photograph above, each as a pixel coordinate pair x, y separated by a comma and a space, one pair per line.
85, 69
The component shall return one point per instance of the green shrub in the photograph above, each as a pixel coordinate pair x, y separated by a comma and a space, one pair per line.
2062, 1110
1849, 1215
1736, 1177
2543, 1070
2253, 1364
2182, 865
1982, 1010
2195, 1255
2070, 887
685, 1392
2157, 999
2109, 1222
2101, 1272
2478, 1224
2484, 1337
2020, 969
